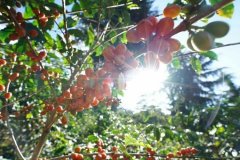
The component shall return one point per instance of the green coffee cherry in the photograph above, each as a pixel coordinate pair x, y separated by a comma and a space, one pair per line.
189, 43
202, 41
218, 28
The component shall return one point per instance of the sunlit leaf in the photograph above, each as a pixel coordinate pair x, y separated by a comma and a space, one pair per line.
29, 115
28, 12
226, 11
176, 63
196, 65
210, 54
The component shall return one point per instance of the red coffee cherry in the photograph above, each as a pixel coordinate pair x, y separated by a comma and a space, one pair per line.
7, 95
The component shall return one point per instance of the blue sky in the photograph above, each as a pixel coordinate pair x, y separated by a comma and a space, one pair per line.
228, 56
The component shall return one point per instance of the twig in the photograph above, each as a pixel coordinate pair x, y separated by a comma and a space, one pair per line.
84, 58
65, 23
23, 98
69, 61
226, 45
99, 17
79, 11
107, 7
66, 35
52, 16
142, 155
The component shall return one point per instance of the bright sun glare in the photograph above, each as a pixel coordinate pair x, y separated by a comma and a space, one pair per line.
145, 87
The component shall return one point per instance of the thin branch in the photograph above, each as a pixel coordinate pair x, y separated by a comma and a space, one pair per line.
107, 7
99, 17
80, 11
121, 28
65, 23
52, 16
69, 61
142, 155
23, 98
226, 45
80, 62
58, 27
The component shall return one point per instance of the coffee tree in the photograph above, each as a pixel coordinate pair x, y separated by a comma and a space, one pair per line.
62, 58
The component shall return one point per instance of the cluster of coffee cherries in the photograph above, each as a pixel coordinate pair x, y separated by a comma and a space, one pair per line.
115, 155
11, 77
118, 60
3, 62
154, 32
184, 152
89, 89
42, 19
187, 152
150, 153
100, 155
36, 58
101, 152
20, 30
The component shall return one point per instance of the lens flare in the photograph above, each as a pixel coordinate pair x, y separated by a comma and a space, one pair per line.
145, 87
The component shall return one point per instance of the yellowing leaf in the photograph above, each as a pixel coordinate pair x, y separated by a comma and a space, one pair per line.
29, 116
226, 11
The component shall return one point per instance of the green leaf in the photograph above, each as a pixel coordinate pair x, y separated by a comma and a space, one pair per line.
52, 55
176, 63
149, 129
21, 46
157, 133
113, 38
132, 6
220, 130
129, 140
210, 54
4, 33
71, 22
99, 51
226, 11
92, 138
196, 65
49, 40
91, 36
76, 7
124, 38
76, 32
68, 2
28, 12
60, 44
29, 115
